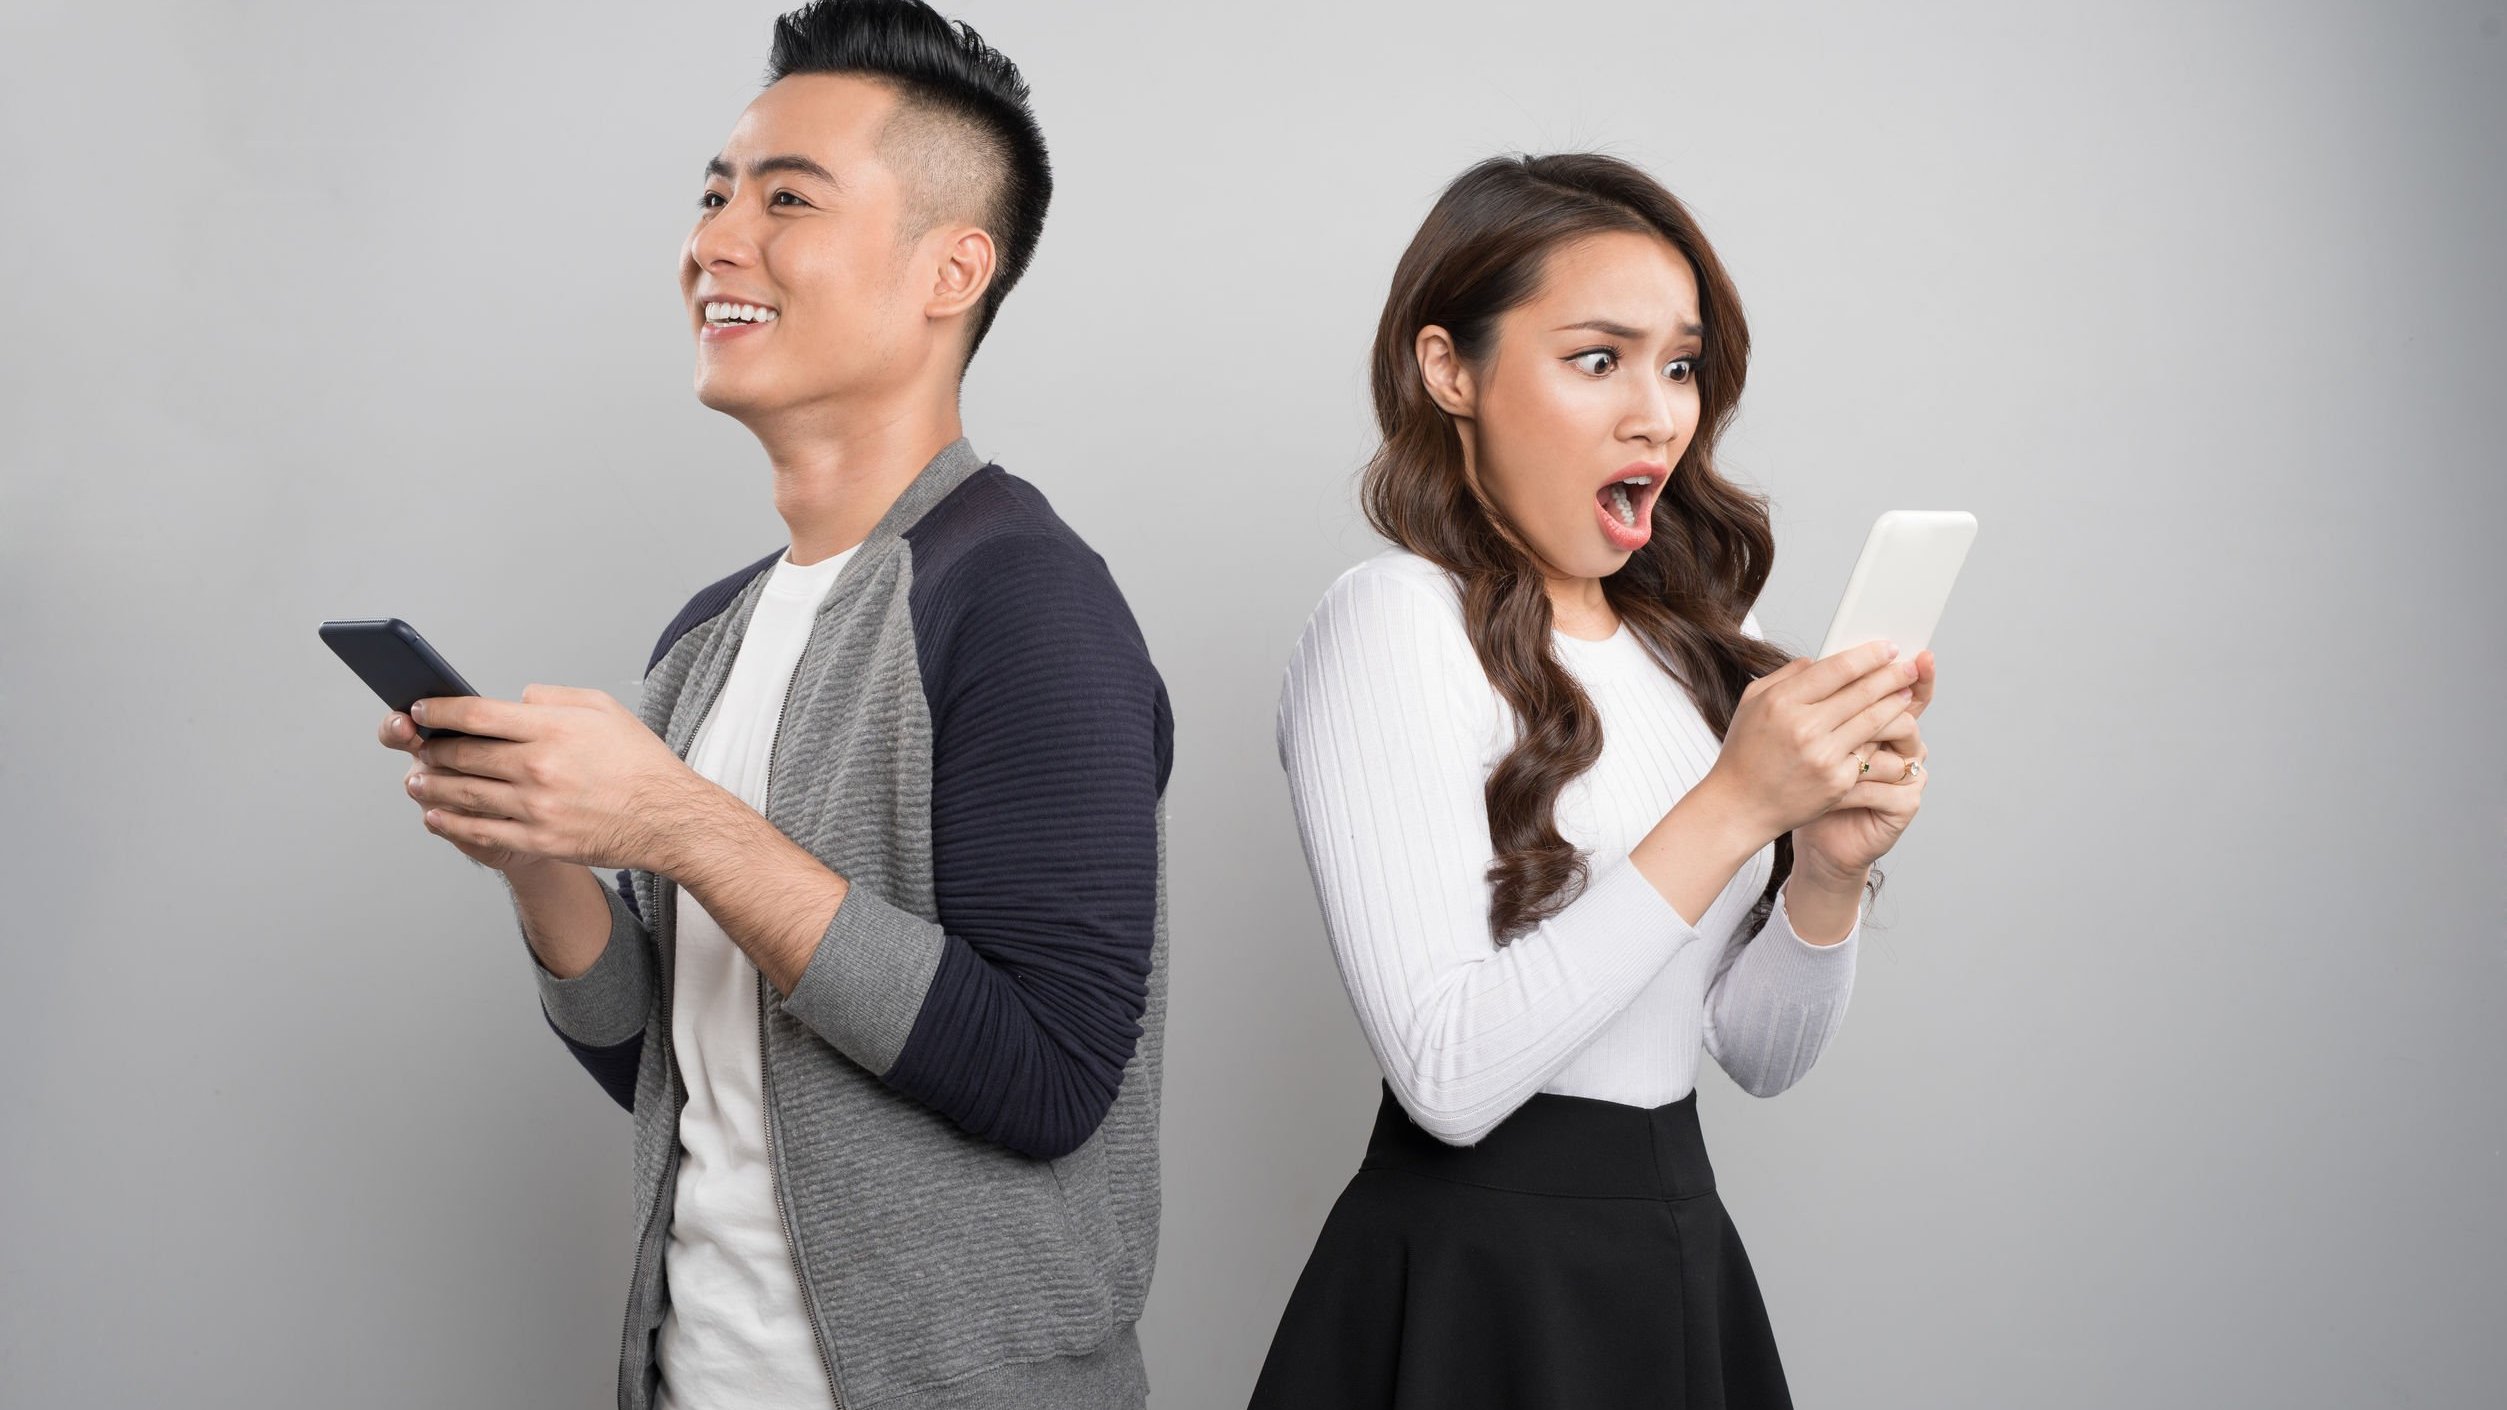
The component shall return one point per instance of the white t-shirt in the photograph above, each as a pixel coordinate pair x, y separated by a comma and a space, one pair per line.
736, 1333
1388, 728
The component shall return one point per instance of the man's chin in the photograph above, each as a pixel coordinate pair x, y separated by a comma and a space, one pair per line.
728, 397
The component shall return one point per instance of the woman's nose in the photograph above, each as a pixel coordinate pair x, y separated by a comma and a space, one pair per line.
1655, 416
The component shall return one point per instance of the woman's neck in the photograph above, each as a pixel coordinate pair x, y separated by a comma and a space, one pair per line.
1578, 607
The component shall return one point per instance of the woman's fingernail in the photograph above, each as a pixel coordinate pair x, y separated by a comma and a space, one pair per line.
417, 709
416, 778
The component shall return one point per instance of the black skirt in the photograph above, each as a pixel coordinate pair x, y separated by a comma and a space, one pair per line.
1576, 1257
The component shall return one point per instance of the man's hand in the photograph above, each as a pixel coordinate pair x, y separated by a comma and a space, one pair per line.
565, 774
396, 732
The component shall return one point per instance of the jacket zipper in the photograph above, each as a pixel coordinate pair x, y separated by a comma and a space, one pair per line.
774, 1176
783, 1214
664, 905
766, 1076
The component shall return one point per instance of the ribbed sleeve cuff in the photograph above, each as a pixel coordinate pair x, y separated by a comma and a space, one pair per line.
607, 1003
865, 987
1797, 956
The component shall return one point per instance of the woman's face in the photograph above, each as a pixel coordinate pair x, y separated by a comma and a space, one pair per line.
1585, 399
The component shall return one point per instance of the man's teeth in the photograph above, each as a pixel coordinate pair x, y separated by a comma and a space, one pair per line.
738, 313
1619, 504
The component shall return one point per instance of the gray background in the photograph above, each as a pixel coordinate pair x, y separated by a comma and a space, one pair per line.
2173, 1071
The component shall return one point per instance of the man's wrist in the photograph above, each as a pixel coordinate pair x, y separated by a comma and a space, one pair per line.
528, 873
691, 839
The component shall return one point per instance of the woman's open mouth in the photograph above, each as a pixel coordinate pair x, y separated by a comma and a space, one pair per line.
1625, 507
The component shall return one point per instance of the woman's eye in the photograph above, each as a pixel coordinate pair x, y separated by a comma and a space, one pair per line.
1680, 369
1596, 362
706, 201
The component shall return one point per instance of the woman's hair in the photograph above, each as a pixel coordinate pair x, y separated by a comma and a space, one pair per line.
1481, 252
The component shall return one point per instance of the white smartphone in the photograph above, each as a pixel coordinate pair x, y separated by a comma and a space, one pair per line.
1902, 581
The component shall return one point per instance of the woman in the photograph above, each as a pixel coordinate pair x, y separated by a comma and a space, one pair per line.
1570, 819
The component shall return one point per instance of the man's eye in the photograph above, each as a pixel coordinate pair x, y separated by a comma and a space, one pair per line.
706, 201
1596, 361
796, 198
1680, 369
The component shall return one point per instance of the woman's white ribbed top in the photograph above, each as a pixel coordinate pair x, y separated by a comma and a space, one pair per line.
1388, 729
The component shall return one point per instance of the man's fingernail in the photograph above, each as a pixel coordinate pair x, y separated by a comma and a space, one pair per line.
417, 710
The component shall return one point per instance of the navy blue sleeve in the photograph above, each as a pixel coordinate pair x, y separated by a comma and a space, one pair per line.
613, 1067
1052, 742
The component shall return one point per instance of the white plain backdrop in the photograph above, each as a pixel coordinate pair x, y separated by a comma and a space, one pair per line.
2173, 1073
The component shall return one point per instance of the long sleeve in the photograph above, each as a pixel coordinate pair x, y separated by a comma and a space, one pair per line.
1015, 1014
1777, 1002
600, 1014
1386, 727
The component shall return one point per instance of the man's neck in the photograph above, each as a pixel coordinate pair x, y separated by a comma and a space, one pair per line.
835, 478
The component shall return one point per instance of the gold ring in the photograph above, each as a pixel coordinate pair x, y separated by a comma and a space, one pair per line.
1866, 763
1913, 767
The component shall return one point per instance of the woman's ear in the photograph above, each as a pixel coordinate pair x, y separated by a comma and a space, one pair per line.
1447, 375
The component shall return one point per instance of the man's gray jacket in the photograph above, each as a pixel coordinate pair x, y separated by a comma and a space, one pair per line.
962, 1088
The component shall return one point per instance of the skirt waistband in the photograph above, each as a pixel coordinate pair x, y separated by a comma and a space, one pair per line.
1555, 1145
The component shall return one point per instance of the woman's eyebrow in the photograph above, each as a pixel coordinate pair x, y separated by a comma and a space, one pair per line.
1622, 330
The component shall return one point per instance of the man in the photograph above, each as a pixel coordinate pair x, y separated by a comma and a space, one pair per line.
882, 977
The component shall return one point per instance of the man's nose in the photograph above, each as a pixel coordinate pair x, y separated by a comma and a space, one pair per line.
728, 235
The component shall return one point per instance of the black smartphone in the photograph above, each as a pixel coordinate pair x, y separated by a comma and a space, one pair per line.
389, 655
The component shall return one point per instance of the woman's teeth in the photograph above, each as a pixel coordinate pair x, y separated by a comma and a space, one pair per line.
738, 313
1620, 506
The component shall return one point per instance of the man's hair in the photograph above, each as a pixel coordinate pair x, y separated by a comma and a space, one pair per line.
962, 139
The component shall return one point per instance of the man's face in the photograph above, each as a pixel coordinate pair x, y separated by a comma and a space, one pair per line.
800, 218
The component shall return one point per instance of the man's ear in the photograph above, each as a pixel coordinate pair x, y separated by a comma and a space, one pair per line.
963, 275
1448, 377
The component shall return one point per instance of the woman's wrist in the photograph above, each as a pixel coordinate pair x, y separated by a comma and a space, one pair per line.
1693, 851
1811, 872
1725, 811
1821, 903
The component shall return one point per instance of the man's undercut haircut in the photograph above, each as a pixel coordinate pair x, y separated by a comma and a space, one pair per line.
962, 139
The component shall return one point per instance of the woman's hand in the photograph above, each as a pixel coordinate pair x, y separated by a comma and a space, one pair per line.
1793, 750
1845, 841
